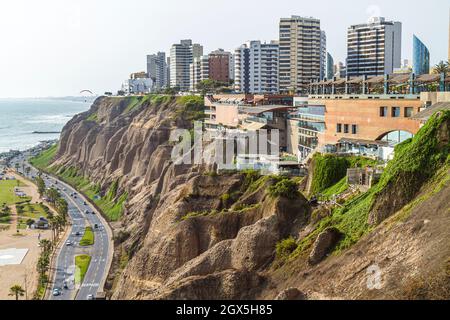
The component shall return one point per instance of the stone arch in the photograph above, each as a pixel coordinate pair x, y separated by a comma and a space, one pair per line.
402, 134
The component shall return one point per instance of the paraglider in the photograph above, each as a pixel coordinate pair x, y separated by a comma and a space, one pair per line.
86, 93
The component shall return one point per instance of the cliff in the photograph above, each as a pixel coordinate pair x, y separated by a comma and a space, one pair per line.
184, 232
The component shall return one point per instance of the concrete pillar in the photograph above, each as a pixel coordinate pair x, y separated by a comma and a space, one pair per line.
347, 78
386, 84
364, 85
333, 86
412, 84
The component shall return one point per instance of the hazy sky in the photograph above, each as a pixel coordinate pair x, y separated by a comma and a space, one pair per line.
59, 47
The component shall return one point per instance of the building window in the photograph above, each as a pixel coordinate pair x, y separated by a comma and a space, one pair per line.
409, 112
354, 129
383, 111
395, 112
339, 128
345, 128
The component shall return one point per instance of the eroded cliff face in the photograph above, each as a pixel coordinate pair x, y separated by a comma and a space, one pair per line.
179, 236
187, 233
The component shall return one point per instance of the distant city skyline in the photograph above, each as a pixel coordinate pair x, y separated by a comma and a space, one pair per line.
55, 48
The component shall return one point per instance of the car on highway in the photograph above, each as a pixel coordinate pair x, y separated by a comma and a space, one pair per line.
78, 233
87, 212
68, 243
96, 226
84, 202
90, 297
56, 292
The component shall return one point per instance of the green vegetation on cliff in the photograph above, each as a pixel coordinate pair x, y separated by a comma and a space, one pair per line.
336, 189
422, 156
43, 160
330, 169
286, 188
418, 160
193, 108
111, 204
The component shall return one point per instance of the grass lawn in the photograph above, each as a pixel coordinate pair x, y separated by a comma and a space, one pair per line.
88, 237
7, 195
82, 264
29, 211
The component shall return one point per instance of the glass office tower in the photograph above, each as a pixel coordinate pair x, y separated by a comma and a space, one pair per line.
421, 57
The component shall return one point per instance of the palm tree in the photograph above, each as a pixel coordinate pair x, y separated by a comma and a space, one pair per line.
16, 291
52, 195
46, 245
62, 208
442, 67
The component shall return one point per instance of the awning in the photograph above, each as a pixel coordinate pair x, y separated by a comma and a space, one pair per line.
428, 78
377, 79
339, 82
262, 109
253, 126
398, 79
357, 80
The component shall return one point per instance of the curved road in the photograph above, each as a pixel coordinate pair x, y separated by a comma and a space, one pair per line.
82, 214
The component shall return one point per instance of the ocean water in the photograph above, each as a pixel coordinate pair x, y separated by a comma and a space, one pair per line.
19, 118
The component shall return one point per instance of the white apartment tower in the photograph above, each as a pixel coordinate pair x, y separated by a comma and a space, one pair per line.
302, 53
256, 67
157, 70
374, 48
199, 71
181, 57
323, 54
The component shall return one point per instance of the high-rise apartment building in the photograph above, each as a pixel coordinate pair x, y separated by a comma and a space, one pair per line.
329, 67
157, 70
168, 72
340, 70
181, 57
421, 57
374, 48
221, 66
301, 52
256, 67
199, 71
323, 54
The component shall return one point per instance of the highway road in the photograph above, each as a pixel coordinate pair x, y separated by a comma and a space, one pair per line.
82, 214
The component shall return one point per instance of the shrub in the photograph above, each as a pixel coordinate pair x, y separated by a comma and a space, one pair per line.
286, 247
285, 188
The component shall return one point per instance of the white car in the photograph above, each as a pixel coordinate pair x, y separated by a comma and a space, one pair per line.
68, 243
56, 292
90, 297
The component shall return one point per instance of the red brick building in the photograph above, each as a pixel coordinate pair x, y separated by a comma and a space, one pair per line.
220, 66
